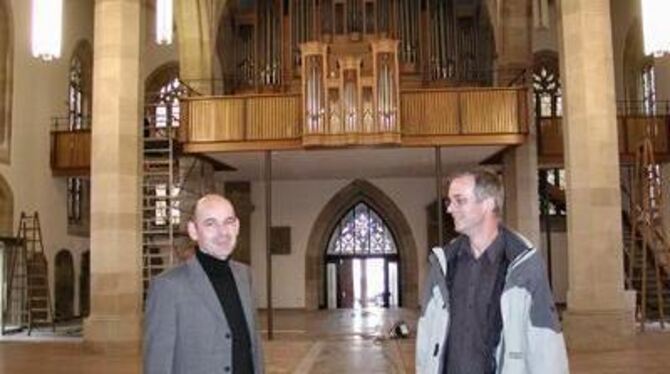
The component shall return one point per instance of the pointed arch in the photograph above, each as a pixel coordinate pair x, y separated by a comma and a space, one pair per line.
359, 191
6, 208
6, 74
158, 78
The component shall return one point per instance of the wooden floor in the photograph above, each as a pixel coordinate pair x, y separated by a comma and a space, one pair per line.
343, 341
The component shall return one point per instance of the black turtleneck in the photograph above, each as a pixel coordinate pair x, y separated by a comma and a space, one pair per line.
221, 277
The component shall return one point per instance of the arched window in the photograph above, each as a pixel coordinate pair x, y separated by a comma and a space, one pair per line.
361, 232
166, 110
547, 89
362, 261
76, 96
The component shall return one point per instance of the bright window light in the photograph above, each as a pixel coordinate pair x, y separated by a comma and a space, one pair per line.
47, 28
164, 21
656, 28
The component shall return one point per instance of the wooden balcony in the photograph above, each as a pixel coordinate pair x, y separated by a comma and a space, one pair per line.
71, 152
631, 130
427, 117
241, 122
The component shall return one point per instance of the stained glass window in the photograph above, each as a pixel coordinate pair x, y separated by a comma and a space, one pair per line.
76, 96
547, 92
361, 232
167, 105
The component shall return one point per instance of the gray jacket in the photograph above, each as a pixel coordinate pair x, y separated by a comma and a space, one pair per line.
185, 327
531, 341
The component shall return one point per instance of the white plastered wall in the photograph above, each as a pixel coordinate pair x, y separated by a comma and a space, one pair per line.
297, 204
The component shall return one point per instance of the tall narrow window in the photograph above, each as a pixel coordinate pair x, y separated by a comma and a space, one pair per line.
547, 92
76, 96
649, 90
74, 200
167, 105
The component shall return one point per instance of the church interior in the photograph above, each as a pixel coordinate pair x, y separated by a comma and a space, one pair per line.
331, 125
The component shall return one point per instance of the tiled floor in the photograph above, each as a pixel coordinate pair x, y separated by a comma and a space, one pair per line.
344, 341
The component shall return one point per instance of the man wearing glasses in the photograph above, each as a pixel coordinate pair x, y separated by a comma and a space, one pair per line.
487, 306
200, 316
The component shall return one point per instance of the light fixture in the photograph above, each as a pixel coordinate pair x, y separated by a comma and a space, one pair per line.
47, 29
164, 21
656, 28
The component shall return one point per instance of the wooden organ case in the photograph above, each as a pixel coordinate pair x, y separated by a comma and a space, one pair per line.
349, 59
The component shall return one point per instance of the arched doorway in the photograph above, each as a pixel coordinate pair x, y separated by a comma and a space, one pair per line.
330, 217
362, 261
64, 285
85, 284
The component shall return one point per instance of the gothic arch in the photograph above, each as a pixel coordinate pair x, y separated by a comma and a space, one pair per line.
159, 78
6, 58
6, 208
340, 203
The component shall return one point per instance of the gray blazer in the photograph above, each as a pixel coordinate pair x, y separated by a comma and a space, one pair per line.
185, 329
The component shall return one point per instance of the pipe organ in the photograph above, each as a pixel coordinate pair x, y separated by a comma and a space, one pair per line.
441, 42
350, 95
349, 58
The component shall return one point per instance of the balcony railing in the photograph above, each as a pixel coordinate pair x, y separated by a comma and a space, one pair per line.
70, 149
442, 116
232, 121
463, 114
632, 126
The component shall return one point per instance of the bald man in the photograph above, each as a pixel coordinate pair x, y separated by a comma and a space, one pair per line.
200, 315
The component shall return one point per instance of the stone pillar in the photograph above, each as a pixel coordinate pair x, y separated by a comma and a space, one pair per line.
600, 312
194, 24
239, 193
521, 210
116, 282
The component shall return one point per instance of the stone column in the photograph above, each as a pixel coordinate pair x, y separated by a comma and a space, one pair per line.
194, 24
521, 211
600, 312
239, 193
116, 283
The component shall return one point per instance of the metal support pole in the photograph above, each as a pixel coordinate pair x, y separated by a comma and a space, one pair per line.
438, 193
268, 251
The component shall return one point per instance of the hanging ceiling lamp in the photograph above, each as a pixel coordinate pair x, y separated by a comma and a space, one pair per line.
164, 22
656, 28
47, 28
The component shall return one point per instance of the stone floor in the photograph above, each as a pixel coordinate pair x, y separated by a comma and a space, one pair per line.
343, 341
